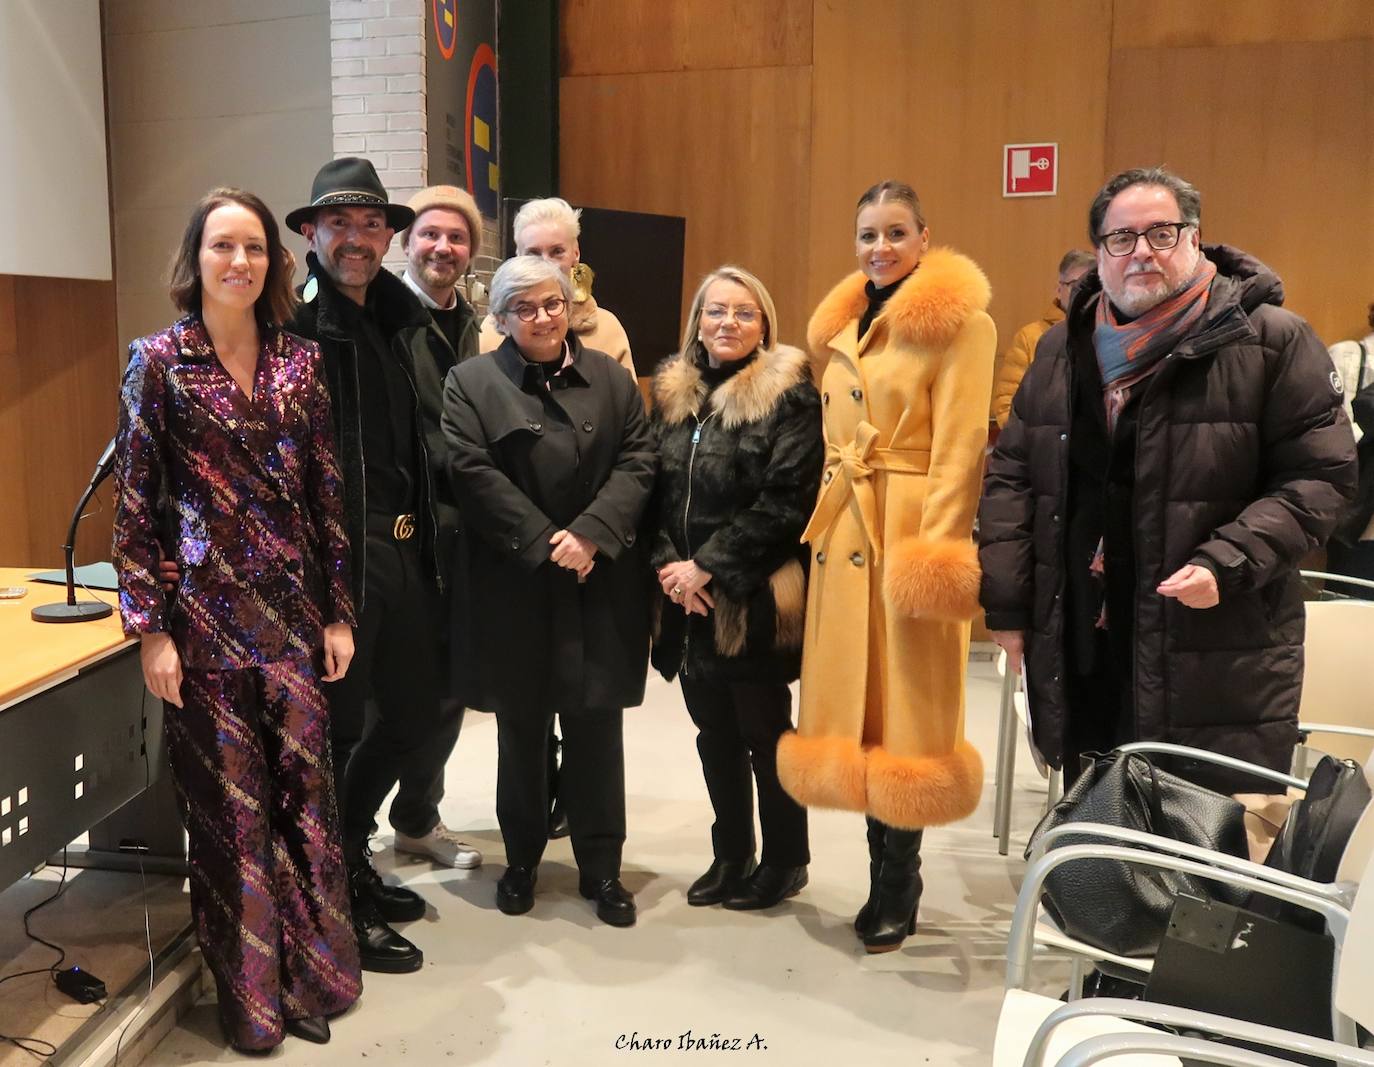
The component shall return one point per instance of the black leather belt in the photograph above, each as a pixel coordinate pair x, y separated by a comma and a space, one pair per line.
393, 527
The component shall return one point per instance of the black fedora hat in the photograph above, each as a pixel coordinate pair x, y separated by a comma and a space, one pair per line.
350, 181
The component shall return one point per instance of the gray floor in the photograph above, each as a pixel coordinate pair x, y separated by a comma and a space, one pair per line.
557, 987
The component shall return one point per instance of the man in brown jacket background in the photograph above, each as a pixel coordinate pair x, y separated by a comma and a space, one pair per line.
1176, 448
1016, 360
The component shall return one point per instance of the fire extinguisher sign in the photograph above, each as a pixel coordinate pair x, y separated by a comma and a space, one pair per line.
1030, 169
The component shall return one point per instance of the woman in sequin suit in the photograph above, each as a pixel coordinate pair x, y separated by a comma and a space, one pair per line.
226, 462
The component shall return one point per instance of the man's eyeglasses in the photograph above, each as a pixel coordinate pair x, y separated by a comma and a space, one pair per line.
1161, 237
745, 316
529, 312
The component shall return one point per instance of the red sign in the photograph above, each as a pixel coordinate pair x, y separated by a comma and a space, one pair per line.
1030, 169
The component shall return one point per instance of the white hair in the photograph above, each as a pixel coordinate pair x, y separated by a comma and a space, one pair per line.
552, 209
517, 276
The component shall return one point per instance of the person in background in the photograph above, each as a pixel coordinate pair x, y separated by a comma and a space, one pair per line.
1351, 548
906, 349
225, 434
738, 426
439, 247
549, 228
1176, 449
552, 466
1011, 368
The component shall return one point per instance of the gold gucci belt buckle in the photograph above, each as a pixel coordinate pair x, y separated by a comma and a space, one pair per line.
403, 529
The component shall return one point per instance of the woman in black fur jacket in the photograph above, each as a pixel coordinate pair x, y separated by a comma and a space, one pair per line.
738, 424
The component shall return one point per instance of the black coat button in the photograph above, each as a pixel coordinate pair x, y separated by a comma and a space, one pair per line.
828, 476
515, 544
856, 558
820, 557
857, 394
536, 426
587, 426
630, 538
825, 398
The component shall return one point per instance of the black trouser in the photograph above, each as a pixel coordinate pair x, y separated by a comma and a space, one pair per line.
591, 784
738, 727
415, 809
394, 661
1100, 704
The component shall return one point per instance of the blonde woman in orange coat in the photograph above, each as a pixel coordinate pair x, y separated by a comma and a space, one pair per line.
904, 350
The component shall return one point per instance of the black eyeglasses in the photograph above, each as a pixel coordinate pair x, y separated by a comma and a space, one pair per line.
529, 312
1161, 237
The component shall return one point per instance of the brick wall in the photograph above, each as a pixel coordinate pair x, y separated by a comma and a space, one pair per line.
377, 60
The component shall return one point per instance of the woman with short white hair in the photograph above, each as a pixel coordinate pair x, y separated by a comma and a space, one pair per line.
548, 229
551, 464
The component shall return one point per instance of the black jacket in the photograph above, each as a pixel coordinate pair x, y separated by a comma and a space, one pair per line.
741, 465
525, 462
1244, 461
425, 357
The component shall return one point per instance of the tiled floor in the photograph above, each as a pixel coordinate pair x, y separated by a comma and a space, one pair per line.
794, 986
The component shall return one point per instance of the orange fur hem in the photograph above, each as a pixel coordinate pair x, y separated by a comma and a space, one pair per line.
822, 772
914, 792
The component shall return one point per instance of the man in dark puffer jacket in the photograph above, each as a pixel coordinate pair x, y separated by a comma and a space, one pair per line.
1176, 449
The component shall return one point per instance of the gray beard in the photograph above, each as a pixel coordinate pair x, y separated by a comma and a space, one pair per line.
1135, 306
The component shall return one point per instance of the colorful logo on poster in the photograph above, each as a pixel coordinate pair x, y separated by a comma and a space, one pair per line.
446, 26
483, 175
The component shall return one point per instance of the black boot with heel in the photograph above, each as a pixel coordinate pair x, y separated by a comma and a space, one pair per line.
893, 916
864, 919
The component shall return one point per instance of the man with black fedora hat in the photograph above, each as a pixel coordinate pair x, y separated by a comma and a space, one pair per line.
383, 358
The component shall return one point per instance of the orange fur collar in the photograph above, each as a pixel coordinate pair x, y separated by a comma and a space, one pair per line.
926, 312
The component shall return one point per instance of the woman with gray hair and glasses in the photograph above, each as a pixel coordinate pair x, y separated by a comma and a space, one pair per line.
552, 464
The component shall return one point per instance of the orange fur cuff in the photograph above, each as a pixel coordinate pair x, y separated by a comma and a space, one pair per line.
933, 579
914, 792
822, 772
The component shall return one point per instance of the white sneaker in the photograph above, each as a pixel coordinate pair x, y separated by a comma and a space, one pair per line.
442, 846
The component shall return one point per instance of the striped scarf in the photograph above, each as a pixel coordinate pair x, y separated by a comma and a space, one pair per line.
1128, 353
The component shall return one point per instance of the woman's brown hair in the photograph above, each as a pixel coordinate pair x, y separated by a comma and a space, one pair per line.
278, 300
898, 191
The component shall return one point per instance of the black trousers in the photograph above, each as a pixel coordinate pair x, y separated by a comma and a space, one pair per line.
415, 809
591, 784
395, 661
738, 727
1100, 704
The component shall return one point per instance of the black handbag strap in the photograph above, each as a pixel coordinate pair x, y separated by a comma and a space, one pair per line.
1152, 799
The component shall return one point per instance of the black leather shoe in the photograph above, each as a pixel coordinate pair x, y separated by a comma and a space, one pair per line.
558, 821
515, 890
722, 879
314, 1028
380, 948
766, 887
615, 905
395, 903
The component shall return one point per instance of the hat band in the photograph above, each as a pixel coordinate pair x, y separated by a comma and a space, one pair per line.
350, 196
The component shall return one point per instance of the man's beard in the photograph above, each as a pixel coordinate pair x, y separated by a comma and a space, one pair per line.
441, 274
1135, 302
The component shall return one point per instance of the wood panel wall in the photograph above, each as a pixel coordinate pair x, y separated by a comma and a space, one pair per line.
59, 382
762, 122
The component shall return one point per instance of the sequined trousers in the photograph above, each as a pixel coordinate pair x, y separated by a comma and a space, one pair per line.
269, 893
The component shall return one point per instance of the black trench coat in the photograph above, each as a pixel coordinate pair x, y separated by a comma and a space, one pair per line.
524, 462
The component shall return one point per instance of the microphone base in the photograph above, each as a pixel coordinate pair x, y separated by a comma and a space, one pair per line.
81, 611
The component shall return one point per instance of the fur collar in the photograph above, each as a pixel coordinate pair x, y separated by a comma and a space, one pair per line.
926, 312
747, 396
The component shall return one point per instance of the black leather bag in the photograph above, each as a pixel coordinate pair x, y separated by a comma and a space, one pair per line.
1124, 908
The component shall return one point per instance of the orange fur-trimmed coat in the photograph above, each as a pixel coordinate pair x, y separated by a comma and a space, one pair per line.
894, 570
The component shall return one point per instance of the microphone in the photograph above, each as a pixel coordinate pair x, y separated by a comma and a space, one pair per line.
85, 610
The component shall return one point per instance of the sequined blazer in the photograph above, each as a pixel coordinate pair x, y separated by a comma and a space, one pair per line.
243, 492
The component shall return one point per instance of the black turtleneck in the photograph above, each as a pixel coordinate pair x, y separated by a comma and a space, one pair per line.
876, 299
718, 375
